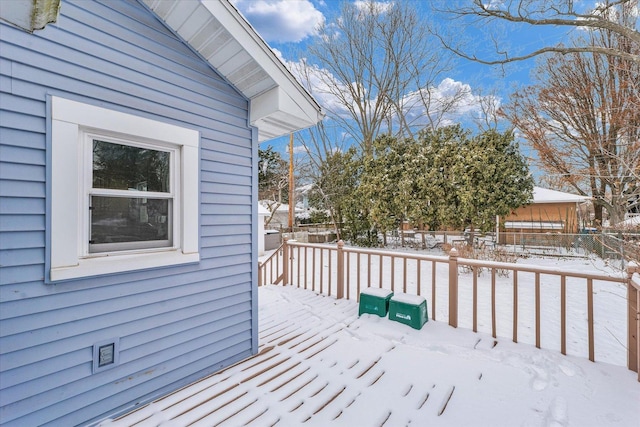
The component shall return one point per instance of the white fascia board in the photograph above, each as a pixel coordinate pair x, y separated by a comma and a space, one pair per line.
293, 98
275, 113
221, 35
251, 42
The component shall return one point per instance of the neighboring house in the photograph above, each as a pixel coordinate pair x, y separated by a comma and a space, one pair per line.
128, 200
263, 214
632, 222
551, 211
280, 218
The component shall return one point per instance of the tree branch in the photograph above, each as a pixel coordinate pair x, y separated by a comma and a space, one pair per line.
557, 49
616, 17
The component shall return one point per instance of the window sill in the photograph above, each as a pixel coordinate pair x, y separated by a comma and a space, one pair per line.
121, 263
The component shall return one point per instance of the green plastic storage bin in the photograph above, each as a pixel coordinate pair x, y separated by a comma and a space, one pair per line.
408, 309
375, 301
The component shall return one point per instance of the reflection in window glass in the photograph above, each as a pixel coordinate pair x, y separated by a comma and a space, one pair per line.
129, 220
124, 167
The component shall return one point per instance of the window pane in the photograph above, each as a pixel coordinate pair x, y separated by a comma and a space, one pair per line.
123, 167
122, 220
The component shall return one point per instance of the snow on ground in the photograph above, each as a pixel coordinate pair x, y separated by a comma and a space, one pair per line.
506, 385
321, 365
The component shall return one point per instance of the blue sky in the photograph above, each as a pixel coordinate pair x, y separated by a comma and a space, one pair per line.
289, 25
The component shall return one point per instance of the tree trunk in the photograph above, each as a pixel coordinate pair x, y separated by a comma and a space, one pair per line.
597, 213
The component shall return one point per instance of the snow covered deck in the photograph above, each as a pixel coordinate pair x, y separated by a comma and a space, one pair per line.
321, 365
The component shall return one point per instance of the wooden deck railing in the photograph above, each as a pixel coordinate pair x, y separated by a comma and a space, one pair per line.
270, 271
633, 315
343, 271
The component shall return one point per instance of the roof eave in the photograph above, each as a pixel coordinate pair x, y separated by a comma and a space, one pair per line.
215, 29
545, 195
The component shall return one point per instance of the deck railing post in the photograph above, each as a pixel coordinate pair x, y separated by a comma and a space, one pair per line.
260, 269
453, 288
285, 261
633, 318
340, 291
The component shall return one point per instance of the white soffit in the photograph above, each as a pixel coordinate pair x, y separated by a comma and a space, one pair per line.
216, 30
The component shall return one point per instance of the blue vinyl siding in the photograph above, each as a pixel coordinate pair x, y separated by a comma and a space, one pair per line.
175, 324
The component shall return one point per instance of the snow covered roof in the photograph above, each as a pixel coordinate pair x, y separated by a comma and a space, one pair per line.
544, 195
634, 221
285, 208
304, 189
262, 210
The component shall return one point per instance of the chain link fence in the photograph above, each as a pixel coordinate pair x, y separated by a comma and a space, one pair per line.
623, 247
618, 247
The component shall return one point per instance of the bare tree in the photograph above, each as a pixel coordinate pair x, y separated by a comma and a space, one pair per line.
609, 15
583, 120
322, 145
489, 104
272, 174
375, 66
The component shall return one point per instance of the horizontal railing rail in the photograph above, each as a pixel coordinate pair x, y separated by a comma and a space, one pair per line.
270, 270
419, 261
336, 270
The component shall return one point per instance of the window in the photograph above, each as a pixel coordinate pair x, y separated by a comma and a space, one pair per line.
131, 197
124, 192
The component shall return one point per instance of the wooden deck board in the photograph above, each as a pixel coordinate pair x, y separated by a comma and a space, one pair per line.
321, 365
302, 374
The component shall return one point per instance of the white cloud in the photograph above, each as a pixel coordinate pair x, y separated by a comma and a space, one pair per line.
449, 102
494, 4
297, 149
319, 82
600, 10
446, 103
281, 20
378, 6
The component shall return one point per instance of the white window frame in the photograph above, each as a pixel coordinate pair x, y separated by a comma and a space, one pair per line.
173, 194
72, 123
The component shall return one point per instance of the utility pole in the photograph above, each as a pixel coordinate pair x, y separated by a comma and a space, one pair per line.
291, 192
